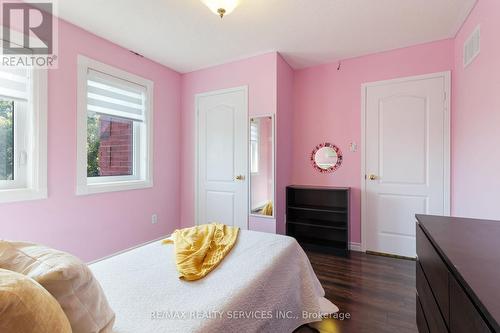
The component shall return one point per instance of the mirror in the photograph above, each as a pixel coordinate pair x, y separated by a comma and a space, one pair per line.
326, 157
262, 166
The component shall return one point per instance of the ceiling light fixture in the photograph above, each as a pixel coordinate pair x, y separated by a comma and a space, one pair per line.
221, 7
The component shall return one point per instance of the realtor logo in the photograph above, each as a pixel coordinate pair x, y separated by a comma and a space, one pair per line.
28, 34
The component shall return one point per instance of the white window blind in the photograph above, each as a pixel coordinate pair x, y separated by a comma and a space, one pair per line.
14, 83
112, 96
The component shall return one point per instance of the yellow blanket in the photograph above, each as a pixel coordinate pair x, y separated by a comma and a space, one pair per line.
198, 250
268, 209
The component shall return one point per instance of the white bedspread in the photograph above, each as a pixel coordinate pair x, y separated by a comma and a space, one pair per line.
263, 285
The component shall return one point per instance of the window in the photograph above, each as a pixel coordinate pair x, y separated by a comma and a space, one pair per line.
114, 129
23, 136
254, 146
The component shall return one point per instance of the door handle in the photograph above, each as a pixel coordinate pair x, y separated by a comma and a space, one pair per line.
240, 177
372, 177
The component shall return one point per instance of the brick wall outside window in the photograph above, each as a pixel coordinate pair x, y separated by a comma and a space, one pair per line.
116, 147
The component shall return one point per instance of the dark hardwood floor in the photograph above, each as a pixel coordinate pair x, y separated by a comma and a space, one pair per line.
378, 293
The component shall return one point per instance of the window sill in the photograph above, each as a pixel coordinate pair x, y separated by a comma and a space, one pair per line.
24, 194
112, 187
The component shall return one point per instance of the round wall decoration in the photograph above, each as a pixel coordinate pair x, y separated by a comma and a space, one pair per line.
326, 157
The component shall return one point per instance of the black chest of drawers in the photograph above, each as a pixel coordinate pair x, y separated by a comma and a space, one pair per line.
458, 275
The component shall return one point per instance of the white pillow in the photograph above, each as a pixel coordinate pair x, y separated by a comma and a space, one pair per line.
67, 278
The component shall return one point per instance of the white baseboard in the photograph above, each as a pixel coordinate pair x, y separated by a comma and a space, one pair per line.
128, 249
352, 245
355, 246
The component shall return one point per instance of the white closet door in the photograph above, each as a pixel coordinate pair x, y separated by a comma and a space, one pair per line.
405, 160
222, 189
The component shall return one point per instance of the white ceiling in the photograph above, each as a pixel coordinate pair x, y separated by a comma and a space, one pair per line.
185, 36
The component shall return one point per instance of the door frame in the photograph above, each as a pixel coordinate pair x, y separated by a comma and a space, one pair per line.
447, 140
196, 138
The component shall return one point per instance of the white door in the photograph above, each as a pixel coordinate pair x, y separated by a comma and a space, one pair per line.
222, 181
406, 159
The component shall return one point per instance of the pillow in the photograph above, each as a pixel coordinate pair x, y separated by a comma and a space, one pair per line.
28, 308
67, 278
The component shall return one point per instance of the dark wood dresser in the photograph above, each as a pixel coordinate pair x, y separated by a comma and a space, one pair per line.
318, 217
458, 275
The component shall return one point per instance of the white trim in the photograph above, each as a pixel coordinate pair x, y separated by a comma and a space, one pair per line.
446, 132
353, 246
113, 187
363, 167
447, 144
273, 126
128, 249
144, 179
37, 161
25, 194
260, 216
195, 148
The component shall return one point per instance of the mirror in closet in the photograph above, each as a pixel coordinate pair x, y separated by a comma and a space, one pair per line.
262, 166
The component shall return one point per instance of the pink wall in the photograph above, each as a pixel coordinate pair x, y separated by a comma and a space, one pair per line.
259, 73
327, 107
97, 225
476, 119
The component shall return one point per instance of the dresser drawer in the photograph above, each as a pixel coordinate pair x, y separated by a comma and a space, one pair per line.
421, 322
464, 318
432, 315
435, 271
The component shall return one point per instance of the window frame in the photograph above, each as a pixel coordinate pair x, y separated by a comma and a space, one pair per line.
144, 156
34, 185
21, 145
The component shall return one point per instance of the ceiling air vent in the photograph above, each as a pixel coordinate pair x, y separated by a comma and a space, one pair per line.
472, 46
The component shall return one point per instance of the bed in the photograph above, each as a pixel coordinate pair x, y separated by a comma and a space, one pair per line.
265, 284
